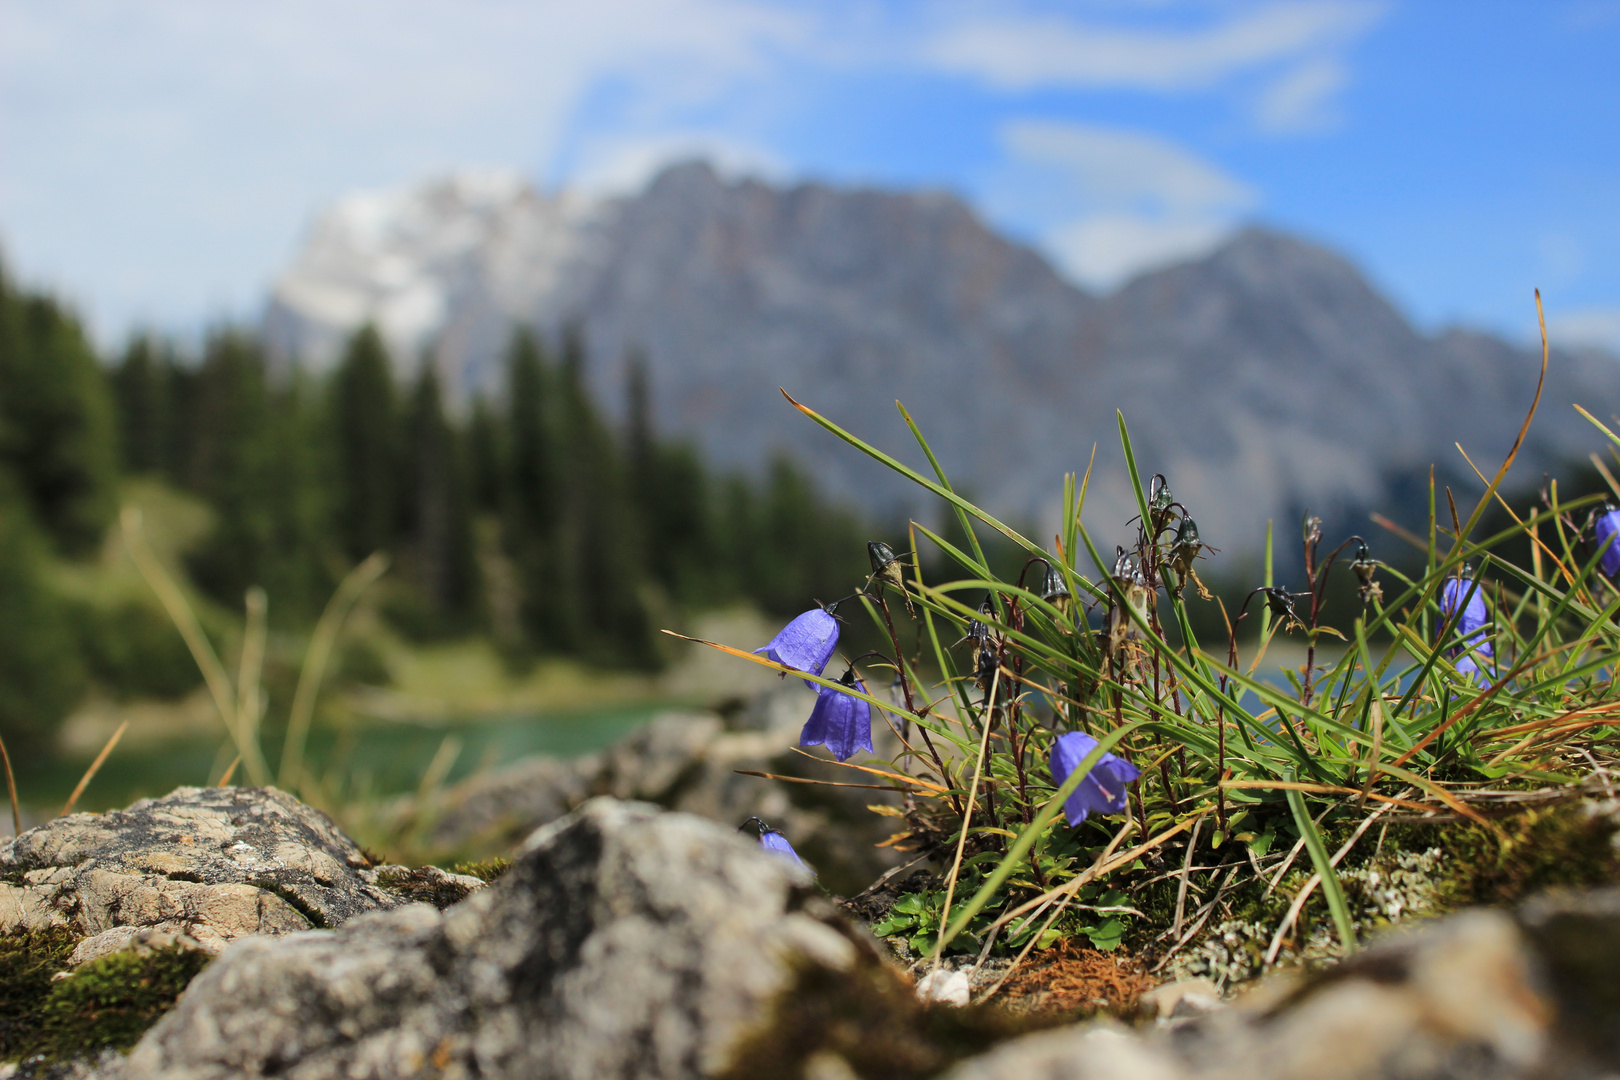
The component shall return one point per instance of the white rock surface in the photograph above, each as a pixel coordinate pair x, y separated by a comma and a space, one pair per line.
208, 864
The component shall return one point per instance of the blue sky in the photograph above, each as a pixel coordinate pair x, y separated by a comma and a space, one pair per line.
159, 162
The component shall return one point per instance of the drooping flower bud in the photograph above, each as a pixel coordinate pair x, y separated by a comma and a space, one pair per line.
1281, 604
885, 563
1160, 502
1055, 591
1368, 589
886, 567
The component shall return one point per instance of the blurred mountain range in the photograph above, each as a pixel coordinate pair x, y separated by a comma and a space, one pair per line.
1264, 379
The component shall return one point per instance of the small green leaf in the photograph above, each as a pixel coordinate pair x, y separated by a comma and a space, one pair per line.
1106, 936
893, 925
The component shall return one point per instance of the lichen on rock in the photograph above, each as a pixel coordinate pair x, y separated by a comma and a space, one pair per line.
213, 864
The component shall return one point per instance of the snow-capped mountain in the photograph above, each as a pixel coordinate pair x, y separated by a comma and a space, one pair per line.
1263, 379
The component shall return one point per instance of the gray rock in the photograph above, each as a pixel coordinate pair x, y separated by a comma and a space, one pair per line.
1096, 1052
1464, 998
623, 942
692, 762
207, 865
500, 807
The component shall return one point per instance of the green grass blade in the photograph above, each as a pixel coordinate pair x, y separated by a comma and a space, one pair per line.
1331, 889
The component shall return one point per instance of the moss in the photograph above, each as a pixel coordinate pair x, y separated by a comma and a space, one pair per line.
28, 959
1562, 845
425, 884
871, 1018
108, 1004
483, 869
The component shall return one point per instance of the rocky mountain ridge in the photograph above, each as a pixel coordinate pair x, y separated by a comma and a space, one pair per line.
1263, 379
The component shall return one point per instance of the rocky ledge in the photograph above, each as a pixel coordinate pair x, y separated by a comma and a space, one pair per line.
629, 941
202, 866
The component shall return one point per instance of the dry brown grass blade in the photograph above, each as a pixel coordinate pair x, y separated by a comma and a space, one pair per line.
1324, 789
1186, 875
1518, 442
989, 720
1535, 535
95, 767
1101, 868
1494, 689
809, 780
1548, 721
1316, 879
11, 789
929, 785
1068, 895
1405, 534
230, 771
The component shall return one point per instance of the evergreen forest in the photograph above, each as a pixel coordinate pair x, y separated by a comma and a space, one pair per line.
527, 517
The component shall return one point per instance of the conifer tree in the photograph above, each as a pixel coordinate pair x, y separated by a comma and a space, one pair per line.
487, 453
599, 550
57, 431
255, 458
529, 506
437, 511
142, 388
670, 491
41, 674
366, 439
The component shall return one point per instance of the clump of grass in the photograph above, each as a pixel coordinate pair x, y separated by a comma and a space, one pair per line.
1462, 687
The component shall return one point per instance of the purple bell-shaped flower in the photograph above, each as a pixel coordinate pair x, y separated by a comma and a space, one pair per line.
805, 643
840, 722
1470, 624
1103, 789
1607, 531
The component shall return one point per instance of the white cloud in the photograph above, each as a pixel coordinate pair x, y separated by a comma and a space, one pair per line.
1115, 166
1023, 52
1135, 201
1104, 250
162, 158
1597, 326
1301, 99
618, 165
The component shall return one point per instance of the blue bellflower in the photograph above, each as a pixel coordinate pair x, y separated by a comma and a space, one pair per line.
1606, 530
840, 722
805, 643
1471, 624
777, 844
1103, 789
